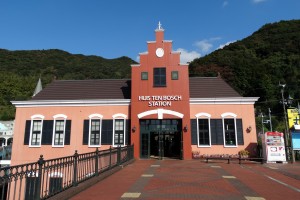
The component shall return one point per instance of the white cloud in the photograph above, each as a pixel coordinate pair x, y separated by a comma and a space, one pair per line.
206, 45
258, 1
225, 3
187, 56
227, 43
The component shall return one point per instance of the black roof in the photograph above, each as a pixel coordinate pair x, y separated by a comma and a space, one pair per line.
200, 87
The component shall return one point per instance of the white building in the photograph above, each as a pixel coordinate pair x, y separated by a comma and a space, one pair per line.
6, 132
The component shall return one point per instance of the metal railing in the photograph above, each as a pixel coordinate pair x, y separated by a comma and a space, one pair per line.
45, 178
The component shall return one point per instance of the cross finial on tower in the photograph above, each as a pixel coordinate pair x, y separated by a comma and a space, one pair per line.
159, 28
159, 25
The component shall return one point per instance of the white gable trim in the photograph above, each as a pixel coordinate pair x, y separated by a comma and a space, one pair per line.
225, 100
66, 103
160, 113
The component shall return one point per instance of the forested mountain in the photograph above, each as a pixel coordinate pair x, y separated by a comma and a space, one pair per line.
20, 71
257, 64
254, 66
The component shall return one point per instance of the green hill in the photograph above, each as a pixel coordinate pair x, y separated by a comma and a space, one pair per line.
20, 70
254, 66
257, 64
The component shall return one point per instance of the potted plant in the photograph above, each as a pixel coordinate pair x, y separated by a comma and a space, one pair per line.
196, 154
244, 153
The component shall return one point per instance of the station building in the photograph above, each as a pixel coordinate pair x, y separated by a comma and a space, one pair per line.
161, 110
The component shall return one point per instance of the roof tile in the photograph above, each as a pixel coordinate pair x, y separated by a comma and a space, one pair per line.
200, 87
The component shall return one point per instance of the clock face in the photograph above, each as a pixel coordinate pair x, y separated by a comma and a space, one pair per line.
159, 52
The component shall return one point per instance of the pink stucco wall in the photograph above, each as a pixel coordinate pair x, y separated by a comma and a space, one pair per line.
23, 153
243, 111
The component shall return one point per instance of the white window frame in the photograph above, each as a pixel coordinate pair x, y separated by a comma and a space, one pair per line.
93, 117
119, 116
33, 118
56, 118
229, 115
203, 116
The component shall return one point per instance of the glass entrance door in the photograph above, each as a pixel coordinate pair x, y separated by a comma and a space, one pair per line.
161, 138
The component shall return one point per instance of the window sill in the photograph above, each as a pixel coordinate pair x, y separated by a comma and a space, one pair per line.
117, 145
58, 146
230, 146
204, 146
34, 146
93, 146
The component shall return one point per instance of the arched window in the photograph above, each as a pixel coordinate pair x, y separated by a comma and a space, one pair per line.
119, 129
203, 130
35, 138
95, 124
229, 129
59, 127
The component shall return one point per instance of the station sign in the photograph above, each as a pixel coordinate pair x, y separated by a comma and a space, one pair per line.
160, 101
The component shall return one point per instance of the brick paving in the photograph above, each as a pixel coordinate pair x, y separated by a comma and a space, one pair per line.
195, 179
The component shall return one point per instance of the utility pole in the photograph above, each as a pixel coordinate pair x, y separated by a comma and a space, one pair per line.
260, 150
270, 120
285, 120
262, 123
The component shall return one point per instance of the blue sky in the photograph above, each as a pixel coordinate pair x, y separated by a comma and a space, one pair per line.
115, 28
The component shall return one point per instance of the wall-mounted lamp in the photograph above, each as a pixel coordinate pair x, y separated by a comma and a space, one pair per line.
185, 129
249, 129
133, 129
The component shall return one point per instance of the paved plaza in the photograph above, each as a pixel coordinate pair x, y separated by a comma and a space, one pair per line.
196, 179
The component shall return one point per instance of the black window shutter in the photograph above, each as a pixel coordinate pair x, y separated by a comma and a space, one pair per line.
107, 132
216, 131
213, 131
27, 132
194, 131
68, 132
239, 129
85, 140
128, 128
47, 132
219, 130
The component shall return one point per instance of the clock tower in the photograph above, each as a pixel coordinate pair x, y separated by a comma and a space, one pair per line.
160, 113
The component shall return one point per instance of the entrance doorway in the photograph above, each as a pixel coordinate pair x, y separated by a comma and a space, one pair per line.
161, 138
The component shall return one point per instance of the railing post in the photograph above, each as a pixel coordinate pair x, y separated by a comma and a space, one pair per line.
128, 153
119, 155
39, 178
110, 152
96, 162
132, 151
75, 169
